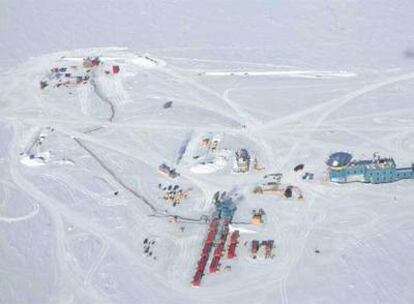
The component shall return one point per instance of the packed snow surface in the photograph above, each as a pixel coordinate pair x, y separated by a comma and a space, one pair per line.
82, 217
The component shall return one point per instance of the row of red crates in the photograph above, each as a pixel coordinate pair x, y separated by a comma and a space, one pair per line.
268, 247
212, 230
208, 243
215, 262
231, 251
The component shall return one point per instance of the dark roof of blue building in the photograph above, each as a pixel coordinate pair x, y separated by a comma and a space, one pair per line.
339, 159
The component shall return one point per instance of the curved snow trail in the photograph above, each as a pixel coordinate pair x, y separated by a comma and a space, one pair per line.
341, 101
58, 212
201, 87
103, 97
332, 105
16, 219
252, 123
371, 115
60, 270
97, 263
20, 218
250, 120
308, 224
193, 100
11, 219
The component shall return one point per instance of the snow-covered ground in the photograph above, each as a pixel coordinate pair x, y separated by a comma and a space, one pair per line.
291, 82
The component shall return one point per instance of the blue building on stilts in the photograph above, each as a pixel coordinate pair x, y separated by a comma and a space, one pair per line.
343, 169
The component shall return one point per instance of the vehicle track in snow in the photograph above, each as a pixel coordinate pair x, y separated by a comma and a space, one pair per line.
15, 219
249, 119
203, 88
102, 97
102, 253
327, 108
58, 212
83, 93
155, 211
244, 117
305, 230
115, 177
334, 104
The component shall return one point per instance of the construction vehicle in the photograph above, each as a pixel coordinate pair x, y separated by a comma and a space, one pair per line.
167, 105
166, 170
308, 176
299, 167
292, 192
271, 184
276, 177
43, 84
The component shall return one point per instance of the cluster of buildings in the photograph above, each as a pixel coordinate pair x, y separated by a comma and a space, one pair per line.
74, 75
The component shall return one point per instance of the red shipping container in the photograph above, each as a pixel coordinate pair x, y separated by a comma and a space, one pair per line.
115, 69
214, 264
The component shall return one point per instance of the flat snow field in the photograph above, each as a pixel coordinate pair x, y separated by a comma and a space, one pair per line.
81, 195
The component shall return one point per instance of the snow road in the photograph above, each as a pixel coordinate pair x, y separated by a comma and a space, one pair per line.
298, 74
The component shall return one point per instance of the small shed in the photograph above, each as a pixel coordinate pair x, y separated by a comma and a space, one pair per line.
167, 105
115, 69
256, 219
299, 167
